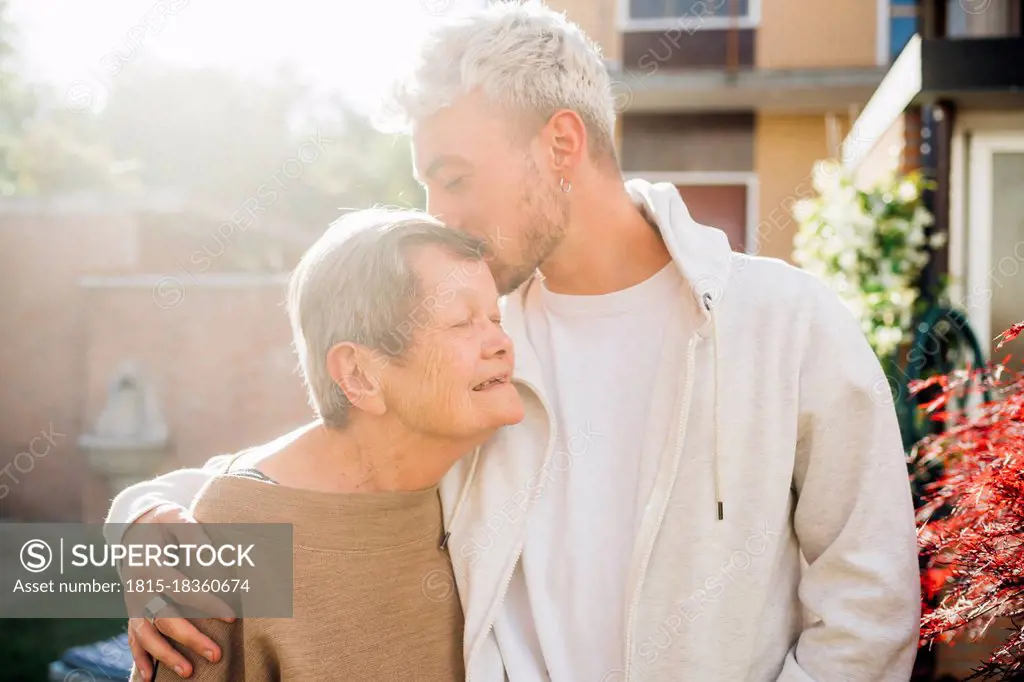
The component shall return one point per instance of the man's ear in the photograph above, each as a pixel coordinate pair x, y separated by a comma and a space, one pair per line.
568, 140
354, 371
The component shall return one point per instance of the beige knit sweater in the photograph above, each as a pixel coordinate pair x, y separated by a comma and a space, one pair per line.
373, 594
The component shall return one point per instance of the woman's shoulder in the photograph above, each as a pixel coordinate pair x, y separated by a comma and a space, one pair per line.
241, 490
234, 497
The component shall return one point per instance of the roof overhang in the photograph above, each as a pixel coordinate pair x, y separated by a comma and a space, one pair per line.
979, 73
788, 90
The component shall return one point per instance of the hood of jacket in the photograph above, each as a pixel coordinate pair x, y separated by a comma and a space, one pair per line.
702, 254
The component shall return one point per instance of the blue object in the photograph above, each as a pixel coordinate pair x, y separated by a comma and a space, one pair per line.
109, 660
902, 25
901, 30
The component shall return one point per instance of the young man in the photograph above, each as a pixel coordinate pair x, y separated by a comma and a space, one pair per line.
709, 482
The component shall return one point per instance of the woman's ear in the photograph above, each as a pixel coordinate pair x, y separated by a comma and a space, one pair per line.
352, 369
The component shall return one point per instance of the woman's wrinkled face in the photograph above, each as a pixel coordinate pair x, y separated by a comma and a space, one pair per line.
454, 378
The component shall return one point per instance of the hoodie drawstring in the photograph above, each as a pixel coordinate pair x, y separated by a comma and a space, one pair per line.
715, 421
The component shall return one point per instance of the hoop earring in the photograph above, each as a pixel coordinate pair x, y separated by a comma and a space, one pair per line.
565, 185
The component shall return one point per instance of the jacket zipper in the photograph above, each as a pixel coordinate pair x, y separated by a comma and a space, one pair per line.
683, 422
519, 548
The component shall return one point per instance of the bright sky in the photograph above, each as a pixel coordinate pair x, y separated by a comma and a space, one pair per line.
352, 45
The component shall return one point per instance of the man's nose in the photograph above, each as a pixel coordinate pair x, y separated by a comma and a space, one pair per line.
444, 212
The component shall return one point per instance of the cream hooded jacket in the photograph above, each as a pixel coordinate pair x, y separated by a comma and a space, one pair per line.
778, 542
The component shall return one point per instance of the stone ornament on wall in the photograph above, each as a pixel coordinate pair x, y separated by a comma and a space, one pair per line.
129, 438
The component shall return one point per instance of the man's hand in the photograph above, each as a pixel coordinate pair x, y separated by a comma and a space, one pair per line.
149, 638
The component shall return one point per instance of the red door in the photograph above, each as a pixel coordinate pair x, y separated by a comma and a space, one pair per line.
720, 206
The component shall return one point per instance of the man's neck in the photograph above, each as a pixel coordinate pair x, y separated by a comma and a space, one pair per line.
609, 245
354, 461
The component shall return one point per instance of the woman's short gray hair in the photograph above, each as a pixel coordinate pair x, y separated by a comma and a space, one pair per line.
525, 57
355, 285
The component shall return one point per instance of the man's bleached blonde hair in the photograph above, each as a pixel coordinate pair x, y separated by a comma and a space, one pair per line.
526, 58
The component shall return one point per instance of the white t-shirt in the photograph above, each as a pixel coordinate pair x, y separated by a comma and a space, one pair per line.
612, 369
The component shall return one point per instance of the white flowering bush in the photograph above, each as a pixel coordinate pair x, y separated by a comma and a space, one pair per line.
869, 246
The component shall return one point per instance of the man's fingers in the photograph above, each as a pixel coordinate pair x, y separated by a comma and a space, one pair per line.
189, 636
142, 660
171, 624
159, 648
176, 586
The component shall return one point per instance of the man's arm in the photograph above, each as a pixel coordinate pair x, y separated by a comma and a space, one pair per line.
854, 516
177, 487
165, 499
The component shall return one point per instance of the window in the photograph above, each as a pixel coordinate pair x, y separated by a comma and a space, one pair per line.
689, 15
986, 19
688, 142
671, 9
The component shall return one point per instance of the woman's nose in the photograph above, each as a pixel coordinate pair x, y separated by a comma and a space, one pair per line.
498, 343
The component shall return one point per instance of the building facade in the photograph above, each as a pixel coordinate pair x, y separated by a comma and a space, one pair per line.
952, 105
734, 100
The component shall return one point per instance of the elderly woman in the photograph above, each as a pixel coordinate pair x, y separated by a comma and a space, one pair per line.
396, 323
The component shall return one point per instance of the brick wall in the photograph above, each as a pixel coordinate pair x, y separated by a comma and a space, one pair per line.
220, 359
42, 350
197, 243
84, 291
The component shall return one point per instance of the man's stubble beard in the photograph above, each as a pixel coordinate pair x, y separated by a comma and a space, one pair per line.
546, 219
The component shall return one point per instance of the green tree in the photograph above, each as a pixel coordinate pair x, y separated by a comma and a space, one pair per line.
365, 167
57, 152
16, 104
44, 147
225, 138
216, 137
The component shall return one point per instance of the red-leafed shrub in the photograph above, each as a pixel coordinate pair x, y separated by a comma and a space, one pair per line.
972, 517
